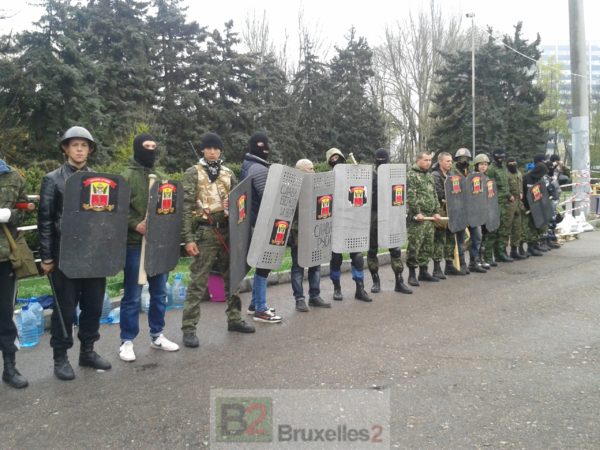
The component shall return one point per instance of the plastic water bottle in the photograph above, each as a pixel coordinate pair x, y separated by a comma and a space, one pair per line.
115, 315
179, 291
38, 310
27, 327
145, 303
170, 298
77, 314
106, 307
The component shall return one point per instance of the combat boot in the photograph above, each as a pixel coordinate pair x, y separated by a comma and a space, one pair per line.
464, 269
522, 250
437, 270
337, 290
514, 253
541, 247
475, 266
451, 268
400, 286
532, 251
62, 366
484, 263
360, 293
376, 283
412, 276
552, 244
89, 358
503, 257
11, 375
424, 275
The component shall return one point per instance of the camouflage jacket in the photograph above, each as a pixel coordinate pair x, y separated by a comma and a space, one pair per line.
500, 175
201, 194
421, 196
515, 184
12, 190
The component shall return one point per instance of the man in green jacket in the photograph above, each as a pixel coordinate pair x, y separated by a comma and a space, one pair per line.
140, 166
422, 202
12, 191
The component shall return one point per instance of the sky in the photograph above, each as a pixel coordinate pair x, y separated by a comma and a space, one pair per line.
332, 20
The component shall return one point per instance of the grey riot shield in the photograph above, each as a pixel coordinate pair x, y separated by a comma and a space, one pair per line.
493, 208
391, 205
352, 208
476, 199
240, 206
163, 227
547, 203
274, 221
456, 202
535, 198
94, 225
315, 219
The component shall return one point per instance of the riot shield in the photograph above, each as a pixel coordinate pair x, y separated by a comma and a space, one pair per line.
493, 208
93, 226
240, 206
456, 202
476, 199
277, 208
315, 219
352, 208
547, 204
391, 205
535, 196
163, 227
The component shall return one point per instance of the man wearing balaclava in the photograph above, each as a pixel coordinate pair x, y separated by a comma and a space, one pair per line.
382, 157
136, 174
205, 233
531, 234
496, 241
515, 209
256, 167
334, 156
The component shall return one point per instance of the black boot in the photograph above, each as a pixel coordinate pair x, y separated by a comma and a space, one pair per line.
522, 251
437, 270
376, 283
475, 266
337, 290
62, 366
540, 246
464, 269
503, 257
532, 251
552, 244
514, 253
400, 286
424, 275
451, 268
412, 276
11, 375
360, 293
89, 358
486, 265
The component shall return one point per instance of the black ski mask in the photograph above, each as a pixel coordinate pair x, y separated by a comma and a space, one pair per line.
511, 165
259, 145
538, 172
462, 164
381, 157
499, 156
143, 156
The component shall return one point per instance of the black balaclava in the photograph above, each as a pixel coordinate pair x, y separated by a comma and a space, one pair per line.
381, 157
145, 157
462, 163
538, 172
538, 158
211, 140
499, 155
511, 164
259, 145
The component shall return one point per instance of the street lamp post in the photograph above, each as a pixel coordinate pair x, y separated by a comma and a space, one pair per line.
472, 17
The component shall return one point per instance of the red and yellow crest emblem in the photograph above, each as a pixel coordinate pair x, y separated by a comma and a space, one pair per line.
476, 185
397, 195
97, 192
357, 196
324, 206
455, 180
536, 192
490, 189
166, 198
241, 206
279, 232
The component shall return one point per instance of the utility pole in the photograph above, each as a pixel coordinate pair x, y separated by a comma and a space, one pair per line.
472, 17
580, 121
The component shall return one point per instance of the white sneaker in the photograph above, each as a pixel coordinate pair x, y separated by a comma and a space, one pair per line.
162, 343
126, 351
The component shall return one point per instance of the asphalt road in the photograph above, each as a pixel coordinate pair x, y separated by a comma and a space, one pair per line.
507, 359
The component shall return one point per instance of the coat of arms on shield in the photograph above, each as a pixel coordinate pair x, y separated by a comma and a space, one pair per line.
490, 189
241, 206
324, 206
279, 232
397, 195
476, 185
357, 196
455, 180
166, 198
536, 192
98, 194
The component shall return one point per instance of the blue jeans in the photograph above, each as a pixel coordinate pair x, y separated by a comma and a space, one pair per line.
297, 275
132, 296
475, 242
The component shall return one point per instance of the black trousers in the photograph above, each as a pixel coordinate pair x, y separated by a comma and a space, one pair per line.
88, 293
8, 330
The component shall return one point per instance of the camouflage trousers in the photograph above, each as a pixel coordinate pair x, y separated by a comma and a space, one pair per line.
210, 251
444, 242
420, 243
531, 234
496, 241
514, 221
395, 253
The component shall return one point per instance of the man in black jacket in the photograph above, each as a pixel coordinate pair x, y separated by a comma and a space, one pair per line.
77, 144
